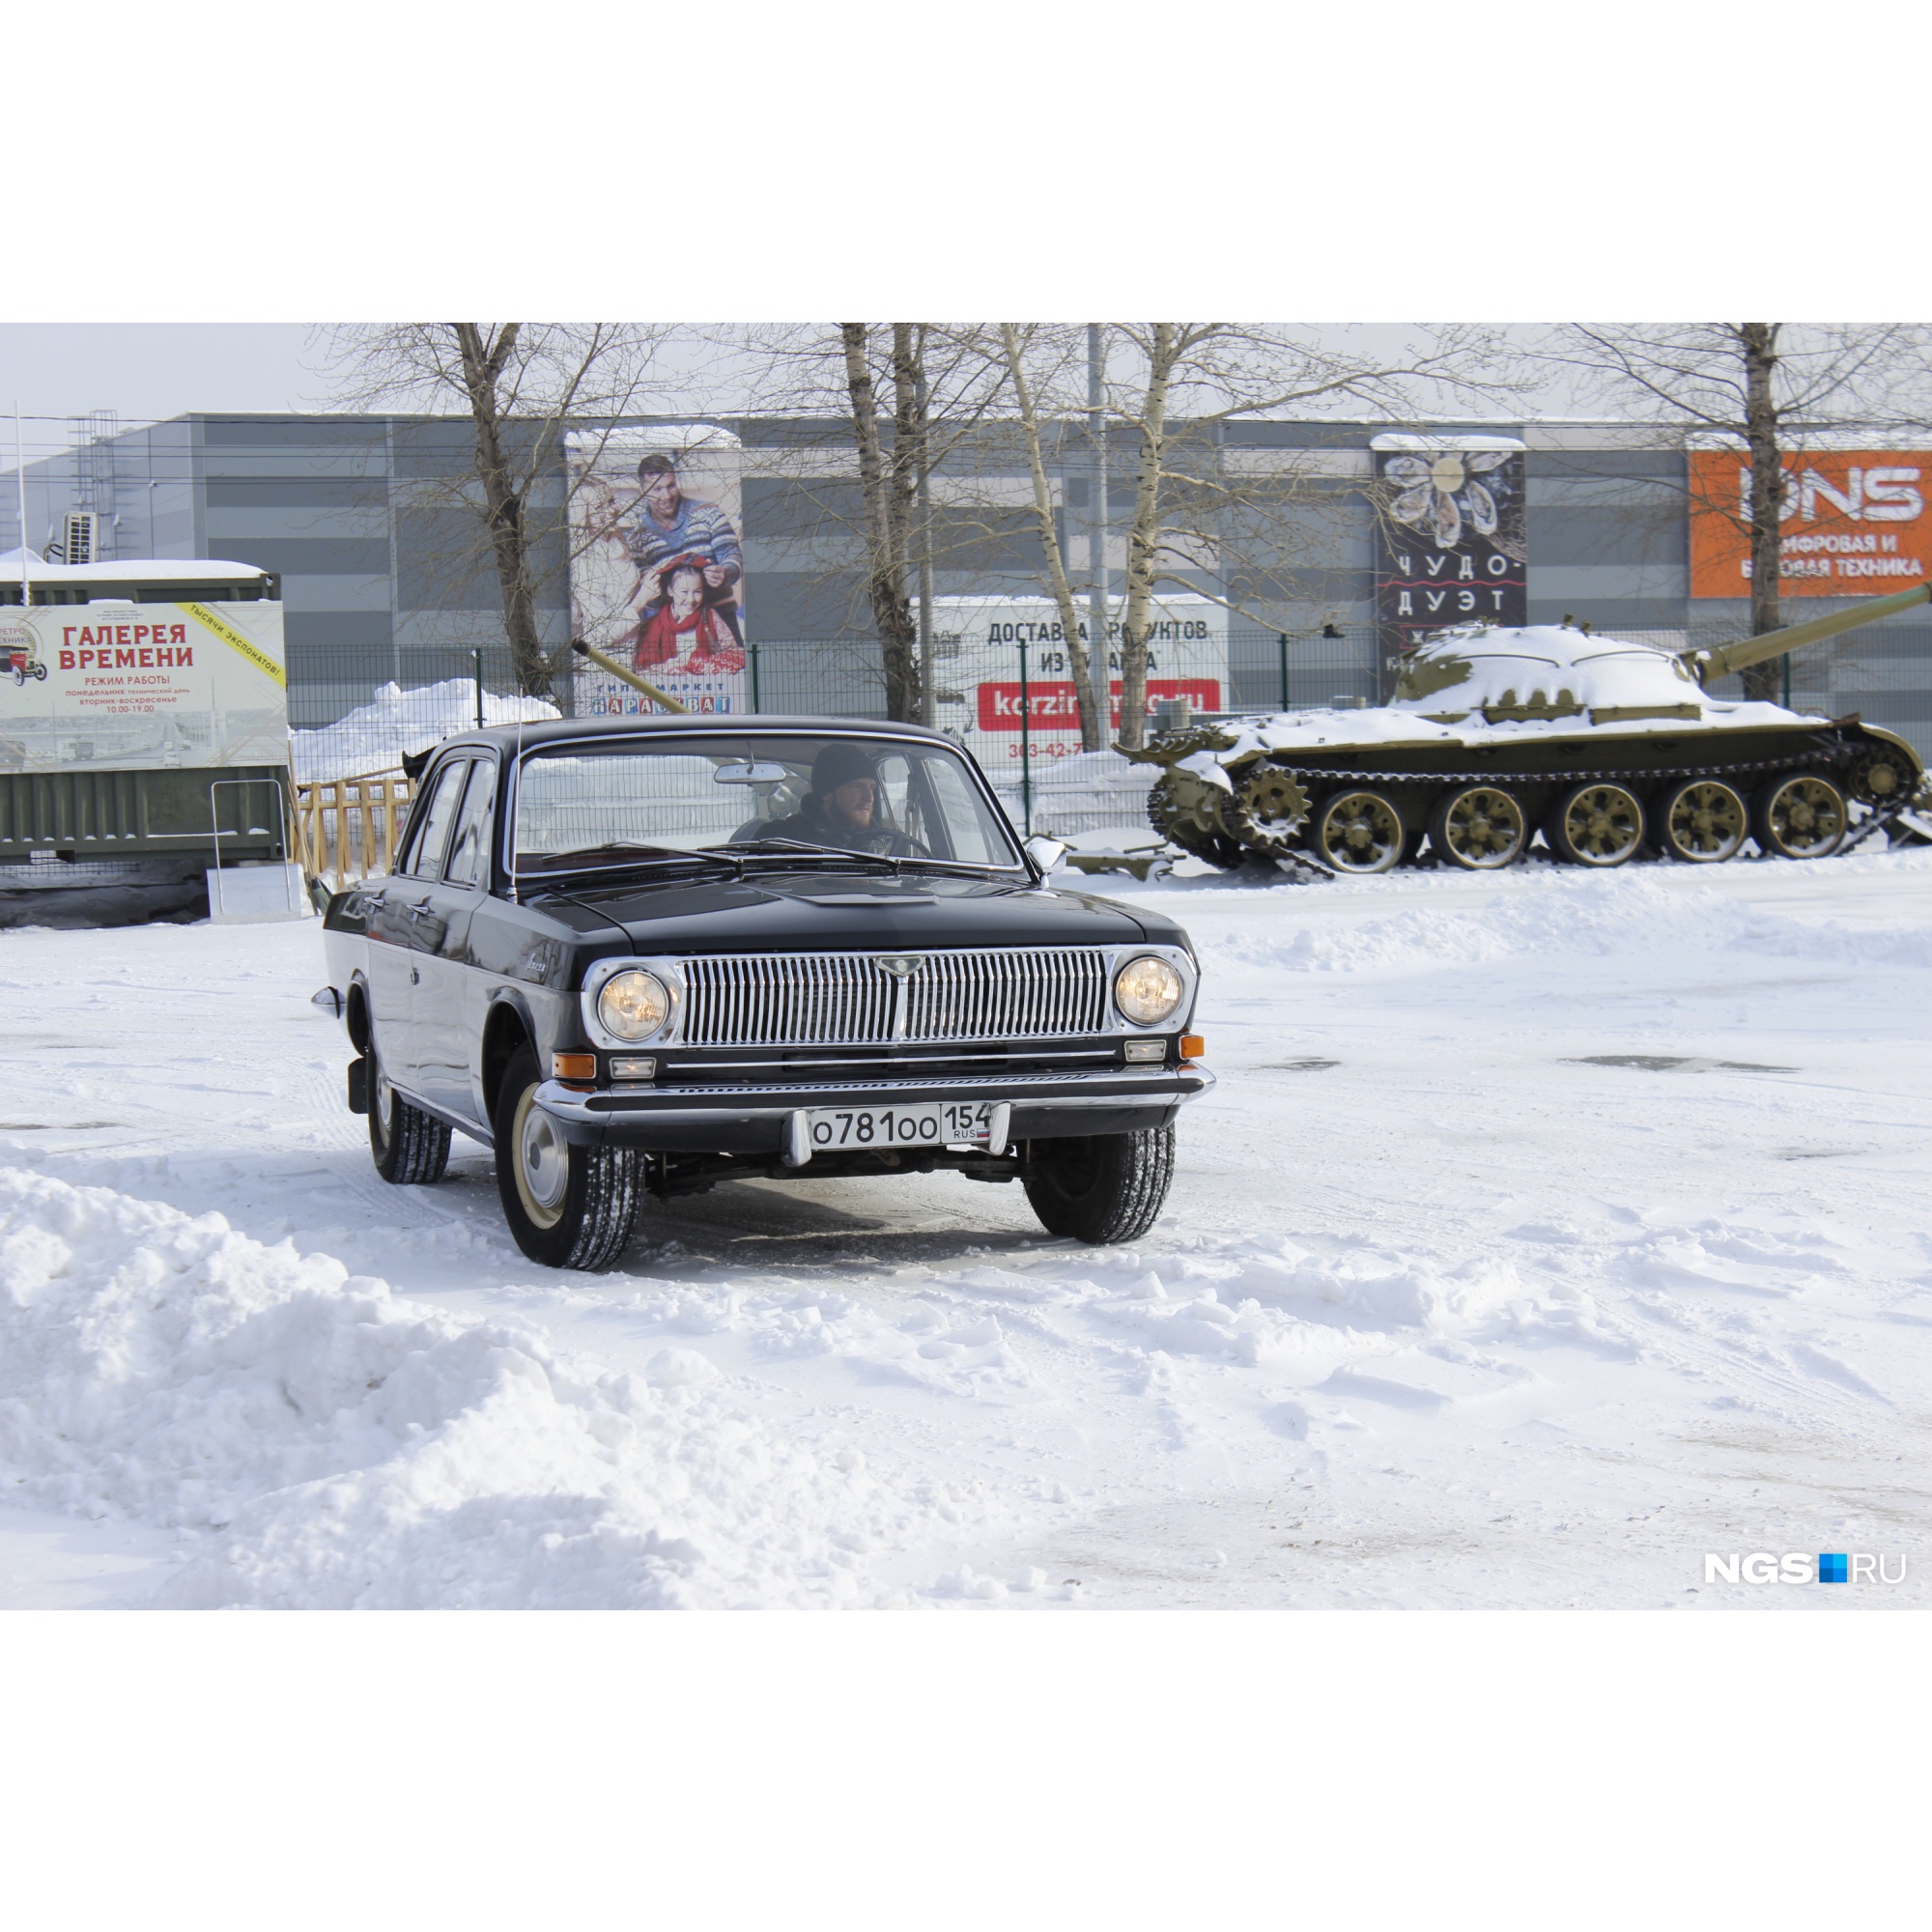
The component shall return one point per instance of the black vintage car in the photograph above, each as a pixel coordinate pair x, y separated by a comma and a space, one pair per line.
656, 954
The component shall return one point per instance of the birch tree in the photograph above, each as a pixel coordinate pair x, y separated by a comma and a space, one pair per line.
1760, 387
522, 385
1171, 388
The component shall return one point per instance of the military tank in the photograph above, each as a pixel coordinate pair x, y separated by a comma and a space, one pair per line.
1609, 746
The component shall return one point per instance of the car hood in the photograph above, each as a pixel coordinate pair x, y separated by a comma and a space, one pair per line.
839, 911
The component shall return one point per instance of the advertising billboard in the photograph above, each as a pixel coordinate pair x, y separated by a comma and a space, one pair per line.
1853, 523
977, 651
142, 687
657, 566
1451, 537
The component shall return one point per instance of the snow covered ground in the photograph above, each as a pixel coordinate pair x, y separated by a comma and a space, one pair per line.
1545, 1233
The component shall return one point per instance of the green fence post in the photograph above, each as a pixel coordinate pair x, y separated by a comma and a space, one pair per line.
1282, 640
477, 654
752, 652
1025, 747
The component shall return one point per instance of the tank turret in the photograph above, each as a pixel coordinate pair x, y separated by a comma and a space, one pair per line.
1606, 747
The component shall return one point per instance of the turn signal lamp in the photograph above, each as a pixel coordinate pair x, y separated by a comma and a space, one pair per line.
1193, 1046
573, 1066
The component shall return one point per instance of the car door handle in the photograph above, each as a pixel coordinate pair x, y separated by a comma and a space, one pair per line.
420, 910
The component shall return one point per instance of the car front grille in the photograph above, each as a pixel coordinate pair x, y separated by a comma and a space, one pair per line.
847, 999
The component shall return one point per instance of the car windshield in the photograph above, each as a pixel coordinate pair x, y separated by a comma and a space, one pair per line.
626, 803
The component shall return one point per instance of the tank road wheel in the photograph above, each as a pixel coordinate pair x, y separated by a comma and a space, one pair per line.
1598, 825
1478, 828
1881, 776
567, 1206
1801, 816
409, 1147
1268, 813
1703, 821
1359, 832
1191, 827
1101, 1187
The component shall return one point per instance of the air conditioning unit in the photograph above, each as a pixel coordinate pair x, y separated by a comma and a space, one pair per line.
80, 536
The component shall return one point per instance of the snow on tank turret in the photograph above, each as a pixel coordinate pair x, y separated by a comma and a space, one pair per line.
1609, 745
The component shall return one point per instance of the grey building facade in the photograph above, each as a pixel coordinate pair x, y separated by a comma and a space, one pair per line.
384, 578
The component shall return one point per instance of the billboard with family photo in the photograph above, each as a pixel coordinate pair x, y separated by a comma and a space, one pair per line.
657, 570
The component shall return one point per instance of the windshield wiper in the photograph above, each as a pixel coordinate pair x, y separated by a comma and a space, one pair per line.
617, 852
782, 846
919, 862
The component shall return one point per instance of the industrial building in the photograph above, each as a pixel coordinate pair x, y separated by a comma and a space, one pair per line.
383, 579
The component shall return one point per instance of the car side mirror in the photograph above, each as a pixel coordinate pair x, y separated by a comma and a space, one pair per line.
1046, 853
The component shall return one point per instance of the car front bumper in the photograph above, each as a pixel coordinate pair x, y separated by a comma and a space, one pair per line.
743, 1119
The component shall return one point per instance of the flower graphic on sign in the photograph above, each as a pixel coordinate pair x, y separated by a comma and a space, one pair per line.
1439, 491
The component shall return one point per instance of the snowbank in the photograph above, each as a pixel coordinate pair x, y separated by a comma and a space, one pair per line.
373, 737
326, 1443
1560, 914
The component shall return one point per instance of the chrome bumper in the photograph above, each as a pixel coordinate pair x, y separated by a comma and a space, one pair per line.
742, 1119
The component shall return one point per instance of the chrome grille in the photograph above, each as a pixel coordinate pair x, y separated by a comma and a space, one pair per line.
844, 999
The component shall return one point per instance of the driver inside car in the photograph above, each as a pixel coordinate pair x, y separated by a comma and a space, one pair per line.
845, 807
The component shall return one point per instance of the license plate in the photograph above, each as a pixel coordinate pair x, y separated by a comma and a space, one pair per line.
929, 1124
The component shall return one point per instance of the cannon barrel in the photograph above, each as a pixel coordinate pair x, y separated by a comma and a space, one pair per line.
1706, 665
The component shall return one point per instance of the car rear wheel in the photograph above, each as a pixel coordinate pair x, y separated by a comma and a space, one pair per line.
1101, 1187
409, 1147
567, 1206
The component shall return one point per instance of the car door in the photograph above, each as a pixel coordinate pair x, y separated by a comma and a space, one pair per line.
450, 995
396, 926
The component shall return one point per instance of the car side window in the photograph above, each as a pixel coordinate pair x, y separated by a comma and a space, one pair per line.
470, 852
424, 858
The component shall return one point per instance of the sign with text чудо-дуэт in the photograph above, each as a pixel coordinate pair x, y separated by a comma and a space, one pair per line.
1852, 524
1451, 543
976, 665
142, 687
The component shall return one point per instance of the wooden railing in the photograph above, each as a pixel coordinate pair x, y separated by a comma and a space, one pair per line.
345, 829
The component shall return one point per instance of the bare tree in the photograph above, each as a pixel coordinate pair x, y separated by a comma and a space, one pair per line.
1758, 385
1015, 342
521, 385
893, 404
1173, 387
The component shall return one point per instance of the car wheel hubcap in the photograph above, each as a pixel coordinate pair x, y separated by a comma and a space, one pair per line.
543, 1162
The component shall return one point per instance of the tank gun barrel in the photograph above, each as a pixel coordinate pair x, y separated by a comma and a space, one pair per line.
1748, 651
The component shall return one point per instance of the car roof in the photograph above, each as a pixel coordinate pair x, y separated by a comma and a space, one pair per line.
735, 724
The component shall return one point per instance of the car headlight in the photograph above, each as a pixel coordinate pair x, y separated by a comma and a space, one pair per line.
1148, 991
634, 1004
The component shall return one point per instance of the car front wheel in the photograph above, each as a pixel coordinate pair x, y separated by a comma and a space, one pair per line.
1101, 1187
567, 1206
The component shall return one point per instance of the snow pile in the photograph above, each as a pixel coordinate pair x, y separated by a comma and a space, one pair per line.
373, 737
327, 1443
1566, 915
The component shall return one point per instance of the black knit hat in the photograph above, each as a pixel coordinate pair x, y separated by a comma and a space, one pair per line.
839, 763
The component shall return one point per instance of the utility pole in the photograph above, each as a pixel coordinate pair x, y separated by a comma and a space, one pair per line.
928, 700
1098, 658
